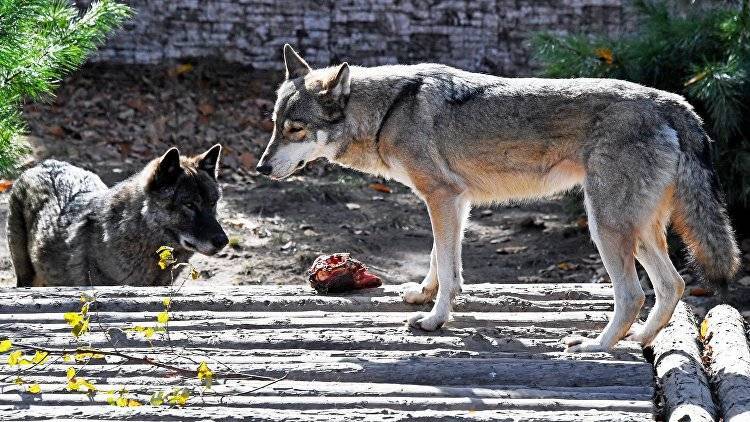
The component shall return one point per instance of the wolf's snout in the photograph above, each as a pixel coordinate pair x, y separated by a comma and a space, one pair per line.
265, 169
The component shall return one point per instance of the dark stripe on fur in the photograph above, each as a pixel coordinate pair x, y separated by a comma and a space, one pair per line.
408, 90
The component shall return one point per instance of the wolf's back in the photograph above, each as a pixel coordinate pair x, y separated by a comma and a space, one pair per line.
699, 212
44, 202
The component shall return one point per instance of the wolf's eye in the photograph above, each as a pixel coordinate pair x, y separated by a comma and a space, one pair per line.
294, 130
192, 206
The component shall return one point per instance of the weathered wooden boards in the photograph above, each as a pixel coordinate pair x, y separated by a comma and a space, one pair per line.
728, 355
679, 369
347, 358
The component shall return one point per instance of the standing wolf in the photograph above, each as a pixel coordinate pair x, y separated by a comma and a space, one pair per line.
458, 138
65, 227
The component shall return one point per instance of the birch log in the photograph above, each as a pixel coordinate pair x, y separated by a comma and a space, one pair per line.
729, 358
678, 365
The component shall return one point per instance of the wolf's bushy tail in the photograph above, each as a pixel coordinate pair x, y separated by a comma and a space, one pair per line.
700, 215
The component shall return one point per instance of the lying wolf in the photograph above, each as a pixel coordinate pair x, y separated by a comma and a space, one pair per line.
65, 227
458, 138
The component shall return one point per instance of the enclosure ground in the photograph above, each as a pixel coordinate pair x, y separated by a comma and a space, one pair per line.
112, 119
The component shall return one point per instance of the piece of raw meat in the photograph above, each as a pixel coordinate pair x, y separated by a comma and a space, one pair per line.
338, 273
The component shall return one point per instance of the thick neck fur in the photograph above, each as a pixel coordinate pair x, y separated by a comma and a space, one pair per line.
372, 95
125, 232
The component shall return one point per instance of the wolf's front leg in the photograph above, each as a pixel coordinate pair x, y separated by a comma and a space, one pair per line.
448, 213
428, 288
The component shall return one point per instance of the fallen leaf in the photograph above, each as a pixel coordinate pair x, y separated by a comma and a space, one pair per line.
700, 291
182, 68
206, 109
136, 104
248, 160
509, 250
266, 125
379, 187
605, 54
56, 131
567, 266
5, 185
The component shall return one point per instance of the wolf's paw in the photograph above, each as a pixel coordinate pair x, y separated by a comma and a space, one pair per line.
639, 335
578, 344
415, 294
427, 321
635, 333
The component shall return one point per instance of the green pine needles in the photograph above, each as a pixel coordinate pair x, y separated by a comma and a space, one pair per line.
703, 54
40, 42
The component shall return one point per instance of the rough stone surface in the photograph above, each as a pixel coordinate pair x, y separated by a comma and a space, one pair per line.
480, 35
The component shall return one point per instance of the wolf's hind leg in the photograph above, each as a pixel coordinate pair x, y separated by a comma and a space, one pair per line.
18, 243
428, 288
667, 282
616, 250
448, 214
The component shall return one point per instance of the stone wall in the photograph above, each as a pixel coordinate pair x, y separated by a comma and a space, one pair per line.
483, 35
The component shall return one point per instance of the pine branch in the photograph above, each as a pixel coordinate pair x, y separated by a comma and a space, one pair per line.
40, 42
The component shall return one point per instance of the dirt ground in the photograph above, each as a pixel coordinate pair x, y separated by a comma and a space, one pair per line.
111, 120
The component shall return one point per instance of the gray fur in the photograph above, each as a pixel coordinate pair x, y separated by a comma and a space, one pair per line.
65, 227
459, 138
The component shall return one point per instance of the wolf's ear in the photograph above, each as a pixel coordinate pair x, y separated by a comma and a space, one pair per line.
295, 65
167, 170
338, 88
209, 161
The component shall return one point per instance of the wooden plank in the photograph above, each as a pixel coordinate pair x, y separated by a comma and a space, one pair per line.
548, 291
728, 354
146, 413
217, 302
679, 368
433, 371
309, 319
51, 383
508, 339
347, 357
362, 402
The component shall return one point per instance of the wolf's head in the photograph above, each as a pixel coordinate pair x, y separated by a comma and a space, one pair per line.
183, 193
308, 116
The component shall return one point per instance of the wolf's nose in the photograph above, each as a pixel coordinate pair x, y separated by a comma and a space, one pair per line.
264, 169
220, 240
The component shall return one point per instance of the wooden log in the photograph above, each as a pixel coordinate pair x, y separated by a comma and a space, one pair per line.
679, 369
728, 356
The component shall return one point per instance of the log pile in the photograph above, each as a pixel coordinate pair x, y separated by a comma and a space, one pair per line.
728, 356
679, 370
